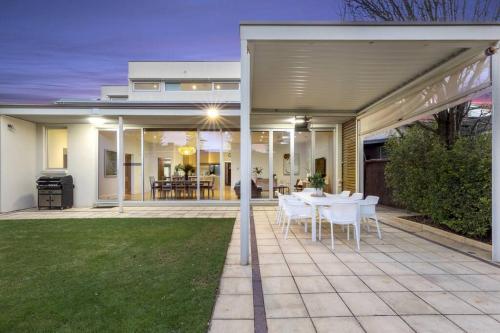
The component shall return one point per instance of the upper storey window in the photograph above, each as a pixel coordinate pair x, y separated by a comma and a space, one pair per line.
201, 86
188, 86
146, 86
226, 85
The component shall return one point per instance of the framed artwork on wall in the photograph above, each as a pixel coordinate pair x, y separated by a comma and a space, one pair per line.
110, 163
287, 165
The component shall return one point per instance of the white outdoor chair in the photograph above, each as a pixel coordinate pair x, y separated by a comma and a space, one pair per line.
308, 190
296, 211
281, 205
345, 194
356, 196
368, 212
343, 213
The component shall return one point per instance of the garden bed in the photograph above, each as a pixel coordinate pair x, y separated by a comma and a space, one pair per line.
426, 220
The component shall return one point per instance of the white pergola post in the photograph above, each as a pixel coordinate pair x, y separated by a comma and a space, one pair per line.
120, 172
360, 161
245, 154
495, 179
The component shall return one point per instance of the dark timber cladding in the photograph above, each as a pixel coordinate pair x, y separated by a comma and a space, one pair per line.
349, 155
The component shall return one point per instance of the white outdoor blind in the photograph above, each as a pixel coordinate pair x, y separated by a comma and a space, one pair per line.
444, 91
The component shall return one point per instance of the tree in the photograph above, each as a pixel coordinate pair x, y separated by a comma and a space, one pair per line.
422, 10
448, 121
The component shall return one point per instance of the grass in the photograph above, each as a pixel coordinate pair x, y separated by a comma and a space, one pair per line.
110, 275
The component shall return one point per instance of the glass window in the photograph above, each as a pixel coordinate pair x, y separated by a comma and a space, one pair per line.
132, 164
196, 86
231, 163
226, 85
57, 148
323, 157
146, 86
281, 162
210, 166
107, 159
173, 86
170, 165
303, 154
260, 164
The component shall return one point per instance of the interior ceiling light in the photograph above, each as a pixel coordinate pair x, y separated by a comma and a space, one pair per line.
98, 121
186, 150
212, 113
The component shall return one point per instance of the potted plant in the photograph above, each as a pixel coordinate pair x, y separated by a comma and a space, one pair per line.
318, 183
186, 168
257, 171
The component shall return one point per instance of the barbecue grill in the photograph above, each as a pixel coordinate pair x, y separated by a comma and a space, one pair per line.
55, 192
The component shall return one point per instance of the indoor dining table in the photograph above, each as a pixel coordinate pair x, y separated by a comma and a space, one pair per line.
315, 203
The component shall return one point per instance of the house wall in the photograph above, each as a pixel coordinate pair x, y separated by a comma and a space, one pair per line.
349, 156
82, 143
17, 164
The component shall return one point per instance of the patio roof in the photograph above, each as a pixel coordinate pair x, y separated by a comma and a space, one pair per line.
381, 74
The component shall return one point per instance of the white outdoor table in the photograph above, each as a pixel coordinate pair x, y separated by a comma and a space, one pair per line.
315, 202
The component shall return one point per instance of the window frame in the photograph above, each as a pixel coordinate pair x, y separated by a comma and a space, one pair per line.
224, 82
46, 147
146, 90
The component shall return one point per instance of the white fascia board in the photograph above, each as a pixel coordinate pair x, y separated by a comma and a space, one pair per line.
371, 32
112, 112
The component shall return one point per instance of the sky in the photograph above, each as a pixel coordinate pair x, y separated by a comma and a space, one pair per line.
52, 49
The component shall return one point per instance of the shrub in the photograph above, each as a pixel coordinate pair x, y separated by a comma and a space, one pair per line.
452, 186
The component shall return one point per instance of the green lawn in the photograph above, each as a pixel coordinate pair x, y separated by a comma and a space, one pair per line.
110, 275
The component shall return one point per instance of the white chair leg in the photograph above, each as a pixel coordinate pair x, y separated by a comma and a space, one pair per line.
348, 228
305, 225
331, 234
356, 234
287, 227
367, 221
378, 227
319, 231
285, 218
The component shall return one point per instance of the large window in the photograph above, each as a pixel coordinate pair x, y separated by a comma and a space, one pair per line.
170, 161
132, 164
108, 165
210, 165
281, 162
188, 86
303, 155
260, 164
57, 148
146, 86
201, 86
231, 169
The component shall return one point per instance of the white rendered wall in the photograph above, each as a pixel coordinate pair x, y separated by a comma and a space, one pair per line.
108, 186
82, 143
17, 164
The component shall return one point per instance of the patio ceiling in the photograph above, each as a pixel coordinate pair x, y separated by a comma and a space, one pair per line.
342, 76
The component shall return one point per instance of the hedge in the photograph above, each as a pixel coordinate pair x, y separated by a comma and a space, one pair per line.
451, 186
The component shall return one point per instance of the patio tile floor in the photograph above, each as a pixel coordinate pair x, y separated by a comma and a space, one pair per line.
402, 283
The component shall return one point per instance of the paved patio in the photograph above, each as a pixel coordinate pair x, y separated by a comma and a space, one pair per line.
112, 212
402, 283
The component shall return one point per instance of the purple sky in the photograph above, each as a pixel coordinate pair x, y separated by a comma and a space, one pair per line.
68, 48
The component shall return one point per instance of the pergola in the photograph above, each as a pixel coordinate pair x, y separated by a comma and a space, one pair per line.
380, 76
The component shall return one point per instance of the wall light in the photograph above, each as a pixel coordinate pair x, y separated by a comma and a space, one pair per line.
212, 113
98, 121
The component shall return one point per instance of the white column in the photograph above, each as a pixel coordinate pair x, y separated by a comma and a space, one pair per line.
142, 164
312, 158
119, 164
271, 165
338, 158
360, 161
245, 154
198, 147
222, 167
495, 180
292, 159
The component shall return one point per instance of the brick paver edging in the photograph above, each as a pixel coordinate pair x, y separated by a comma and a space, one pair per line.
260, 324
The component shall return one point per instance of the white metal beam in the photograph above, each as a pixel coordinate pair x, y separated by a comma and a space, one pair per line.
495, 181
120, 158
331, 32
245, 154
